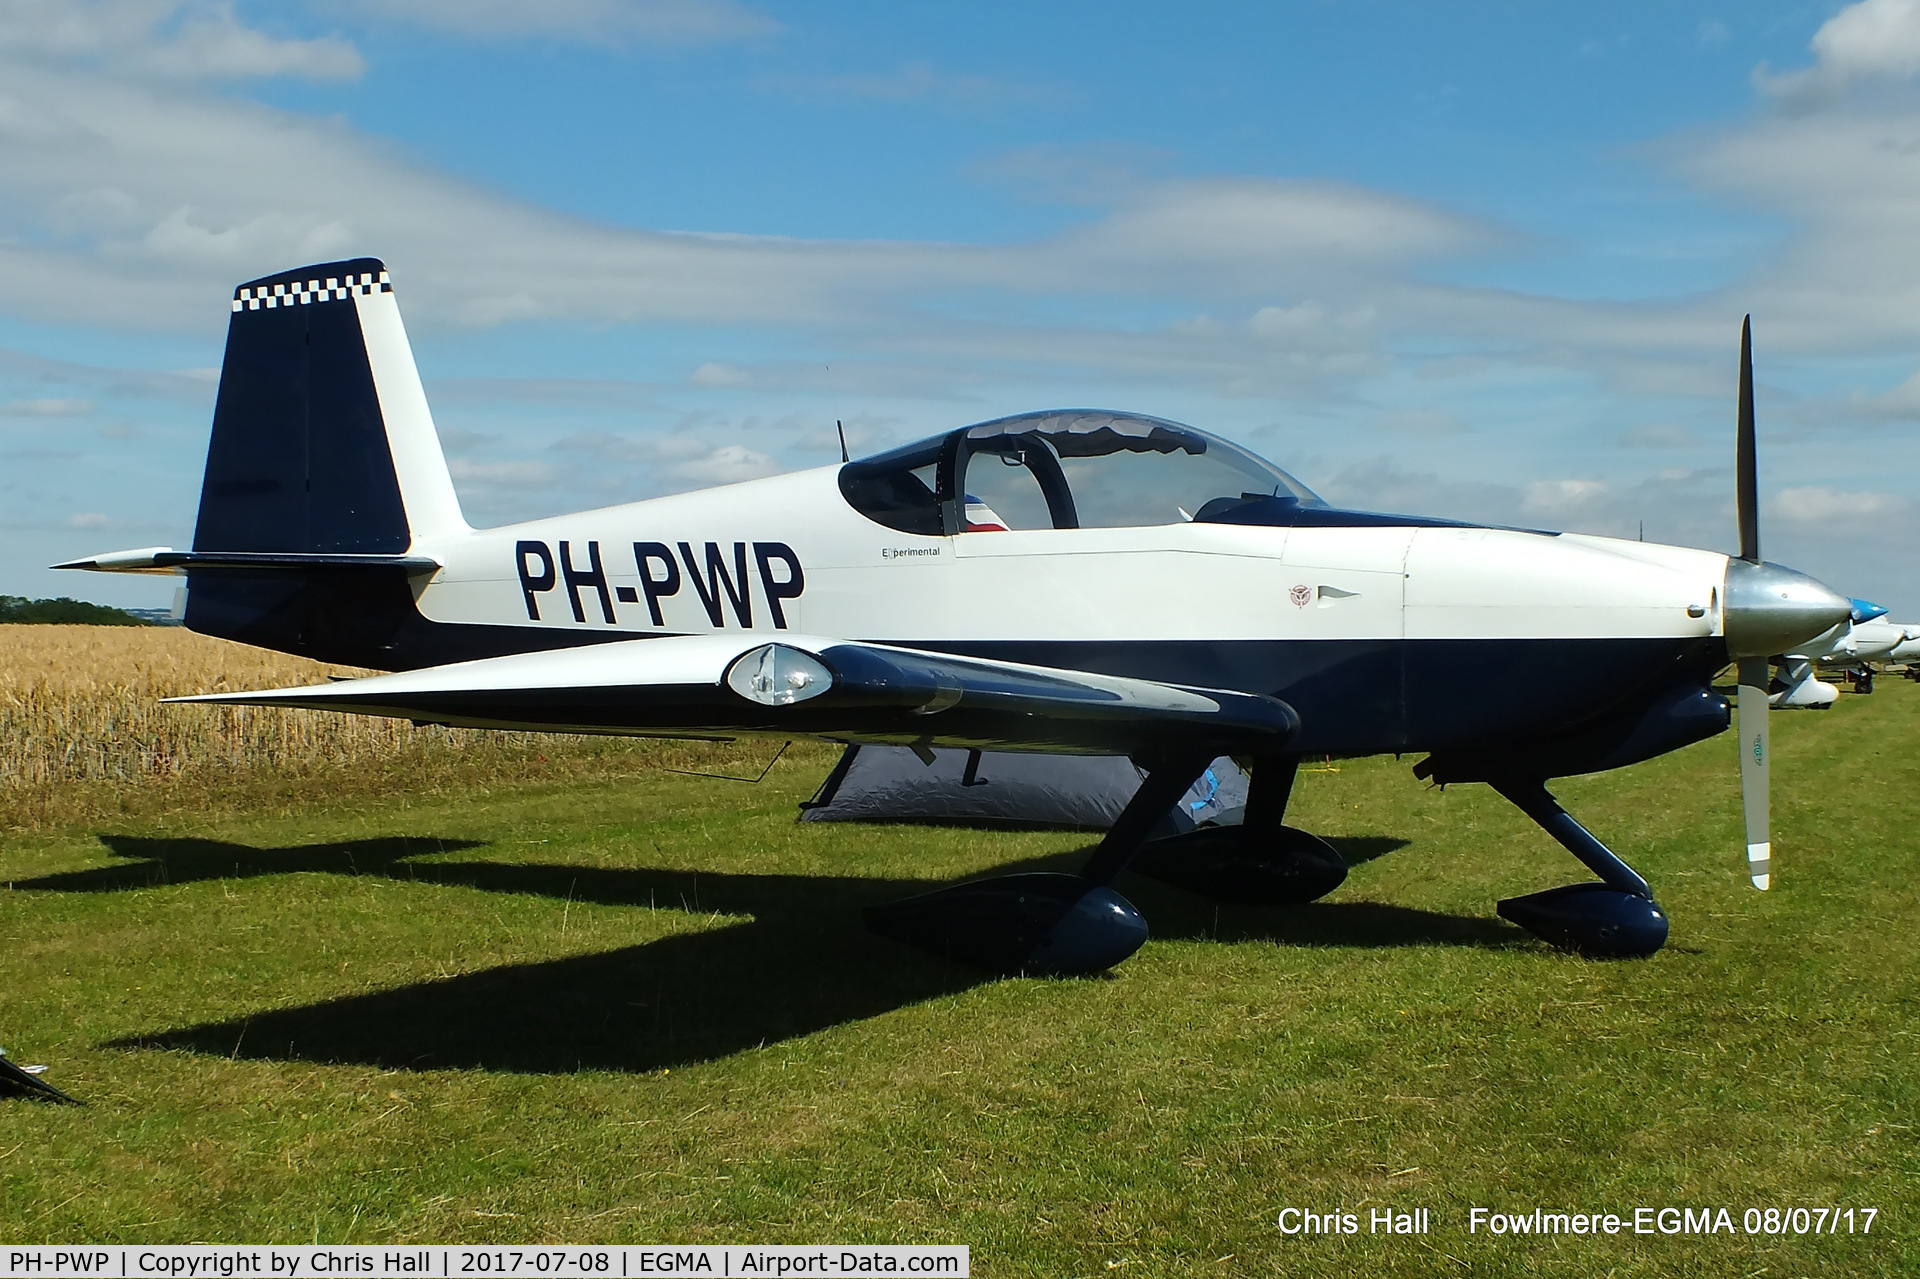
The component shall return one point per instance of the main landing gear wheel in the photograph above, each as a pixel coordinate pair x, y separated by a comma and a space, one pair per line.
1046, 924
1234, 866
1260, 862
1041, 924
1070, 924
1064, 925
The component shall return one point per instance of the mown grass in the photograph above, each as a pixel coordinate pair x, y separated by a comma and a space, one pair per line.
625, 1004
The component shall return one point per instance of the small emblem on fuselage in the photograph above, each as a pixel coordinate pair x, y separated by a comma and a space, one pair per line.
1301, 596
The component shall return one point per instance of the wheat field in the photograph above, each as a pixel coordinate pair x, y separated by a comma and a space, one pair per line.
83, 703
83, 729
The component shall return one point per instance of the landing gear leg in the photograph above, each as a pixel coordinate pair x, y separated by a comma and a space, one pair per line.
1261, 862
1614, 919
1045, 923
1160, 791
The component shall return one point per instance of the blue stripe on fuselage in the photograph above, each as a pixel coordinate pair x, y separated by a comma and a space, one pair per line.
1360, 697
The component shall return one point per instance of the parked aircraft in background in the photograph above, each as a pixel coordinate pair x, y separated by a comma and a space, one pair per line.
1141, 588
1866, 638
1907, 651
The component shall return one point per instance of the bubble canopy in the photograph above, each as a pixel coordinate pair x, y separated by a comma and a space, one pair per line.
1065, 468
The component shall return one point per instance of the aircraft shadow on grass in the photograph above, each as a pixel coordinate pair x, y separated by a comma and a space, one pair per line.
797, 961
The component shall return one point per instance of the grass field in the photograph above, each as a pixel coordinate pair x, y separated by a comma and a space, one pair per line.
583, 998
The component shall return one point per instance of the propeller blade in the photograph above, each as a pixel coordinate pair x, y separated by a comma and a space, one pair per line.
1746, 465
1755, 674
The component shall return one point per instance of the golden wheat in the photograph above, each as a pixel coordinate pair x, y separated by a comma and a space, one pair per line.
84, 703
84, 734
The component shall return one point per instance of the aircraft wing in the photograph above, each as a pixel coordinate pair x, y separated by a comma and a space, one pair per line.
806, 686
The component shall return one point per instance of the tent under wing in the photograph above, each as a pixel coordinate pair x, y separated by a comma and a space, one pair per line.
1004, 788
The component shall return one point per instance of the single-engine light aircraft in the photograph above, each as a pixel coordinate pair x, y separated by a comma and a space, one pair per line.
1068, 581
1851, 649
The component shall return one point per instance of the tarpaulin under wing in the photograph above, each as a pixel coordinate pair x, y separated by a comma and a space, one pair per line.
1005, 788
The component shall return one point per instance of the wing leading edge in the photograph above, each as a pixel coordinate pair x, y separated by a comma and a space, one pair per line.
723, 686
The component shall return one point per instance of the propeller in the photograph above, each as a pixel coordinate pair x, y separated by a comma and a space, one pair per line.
1766, 610
1755, 672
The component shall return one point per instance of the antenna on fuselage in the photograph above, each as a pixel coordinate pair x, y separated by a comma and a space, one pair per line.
843, 440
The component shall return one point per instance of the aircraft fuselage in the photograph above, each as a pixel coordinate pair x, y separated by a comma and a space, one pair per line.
1404, 637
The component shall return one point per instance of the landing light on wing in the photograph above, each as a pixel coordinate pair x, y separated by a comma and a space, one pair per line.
778, 675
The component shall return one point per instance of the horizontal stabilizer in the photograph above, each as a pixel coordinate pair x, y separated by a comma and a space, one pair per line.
164, 559
25, 1081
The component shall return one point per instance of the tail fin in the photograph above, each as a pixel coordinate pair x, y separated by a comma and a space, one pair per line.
323, 471
322, 440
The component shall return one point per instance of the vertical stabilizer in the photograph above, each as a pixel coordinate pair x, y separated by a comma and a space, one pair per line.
322, 446
322, 440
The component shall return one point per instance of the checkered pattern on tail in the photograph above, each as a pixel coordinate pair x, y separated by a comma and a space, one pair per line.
332, 288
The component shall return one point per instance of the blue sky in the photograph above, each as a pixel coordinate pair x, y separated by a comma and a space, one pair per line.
1483, 260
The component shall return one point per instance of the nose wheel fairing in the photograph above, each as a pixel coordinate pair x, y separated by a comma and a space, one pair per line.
1592, 920
1616, 918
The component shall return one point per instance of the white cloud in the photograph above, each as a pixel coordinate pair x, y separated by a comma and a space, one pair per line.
1420, 422
1379, 484
1874, 39
141, 204
140, 200
1902, 403
191, 386
87, 519
1682, 508
182, 39
1819, 504
1847, 279
506, 474
47, 406
1657, 435
713, 373
221, 49
911, 82
727, 464
612, 22
1561, 498
1095, 173
1263, 227
688, 460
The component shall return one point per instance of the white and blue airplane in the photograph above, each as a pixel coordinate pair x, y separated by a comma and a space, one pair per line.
1852, 647
1907, 651
1069, 581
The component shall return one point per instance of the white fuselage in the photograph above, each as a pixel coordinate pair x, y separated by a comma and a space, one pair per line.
1181, 581
1857, 642
1311, 613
